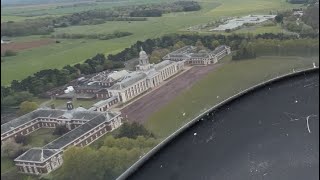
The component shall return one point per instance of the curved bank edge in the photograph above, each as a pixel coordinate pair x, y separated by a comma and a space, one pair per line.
162, 144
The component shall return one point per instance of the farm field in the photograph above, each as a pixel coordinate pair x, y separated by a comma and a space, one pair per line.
18, 46
75, 51
225, 81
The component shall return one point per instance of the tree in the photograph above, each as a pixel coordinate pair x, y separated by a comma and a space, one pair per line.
80, 164
199, 44
9, 53
279, 18
158, 54
20, 139
60, 130
178, 45
133, 130
215, 44
11, 149
27, 106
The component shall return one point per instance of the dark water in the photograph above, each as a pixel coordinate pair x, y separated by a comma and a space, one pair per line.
263, 135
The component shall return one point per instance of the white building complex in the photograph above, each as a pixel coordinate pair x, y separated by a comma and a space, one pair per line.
146, 77
238, 22
190, 55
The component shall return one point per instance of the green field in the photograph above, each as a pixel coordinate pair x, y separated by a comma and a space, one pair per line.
41, 137
74, 51
227, 80
37, 10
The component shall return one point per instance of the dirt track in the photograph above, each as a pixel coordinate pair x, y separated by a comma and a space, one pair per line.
18, 46
141, 109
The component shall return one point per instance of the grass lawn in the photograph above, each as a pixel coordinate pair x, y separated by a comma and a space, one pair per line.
75, 51
6, 164
41, 137
84, 103
220, 84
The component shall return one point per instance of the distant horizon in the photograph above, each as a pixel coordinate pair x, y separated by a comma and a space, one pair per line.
25, 2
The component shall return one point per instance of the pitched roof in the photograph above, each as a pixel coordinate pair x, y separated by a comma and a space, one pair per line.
37, 154
219, 49
162, 64
104, 102
54, 113
131, 79
79, 131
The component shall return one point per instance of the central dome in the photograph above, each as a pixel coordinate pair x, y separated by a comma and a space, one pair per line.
142, 53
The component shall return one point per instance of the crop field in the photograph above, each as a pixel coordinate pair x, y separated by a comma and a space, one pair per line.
18, 46
225, 81
75, 51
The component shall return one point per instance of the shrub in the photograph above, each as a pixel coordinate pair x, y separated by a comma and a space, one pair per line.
20, 139
60, 130
9, 53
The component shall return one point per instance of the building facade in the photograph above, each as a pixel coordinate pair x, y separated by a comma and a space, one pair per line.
146, 77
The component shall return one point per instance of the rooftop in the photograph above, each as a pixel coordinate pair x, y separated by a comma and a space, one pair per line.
237, 22
128, 80
37, 154
162, 64
104, 102
78, 113
54, 113
79, 131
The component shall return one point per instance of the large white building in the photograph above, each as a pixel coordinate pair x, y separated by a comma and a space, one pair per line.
190, 55
147, 76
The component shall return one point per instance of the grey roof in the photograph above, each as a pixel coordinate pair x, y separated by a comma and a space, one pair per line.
151, 73
163, 64
181, 53
79, 131
93, 87
104, 102
110, 77
54, 113
81, 109
37, 154
131, 79
199, 55
103, 90
219, 49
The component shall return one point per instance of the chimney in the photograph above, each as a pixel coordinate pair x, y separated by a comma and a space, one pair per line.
69, 105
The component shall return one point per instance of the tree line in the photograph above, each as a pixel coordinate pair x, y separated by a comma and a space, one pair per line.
311, 16
261, 44
116, 34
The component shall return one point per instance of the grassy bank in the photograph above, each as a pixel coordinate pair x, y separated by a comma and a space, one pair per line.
226, 81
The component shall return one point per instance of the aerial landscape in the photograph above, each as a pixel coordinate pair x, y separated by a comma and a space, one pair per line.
94, 89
